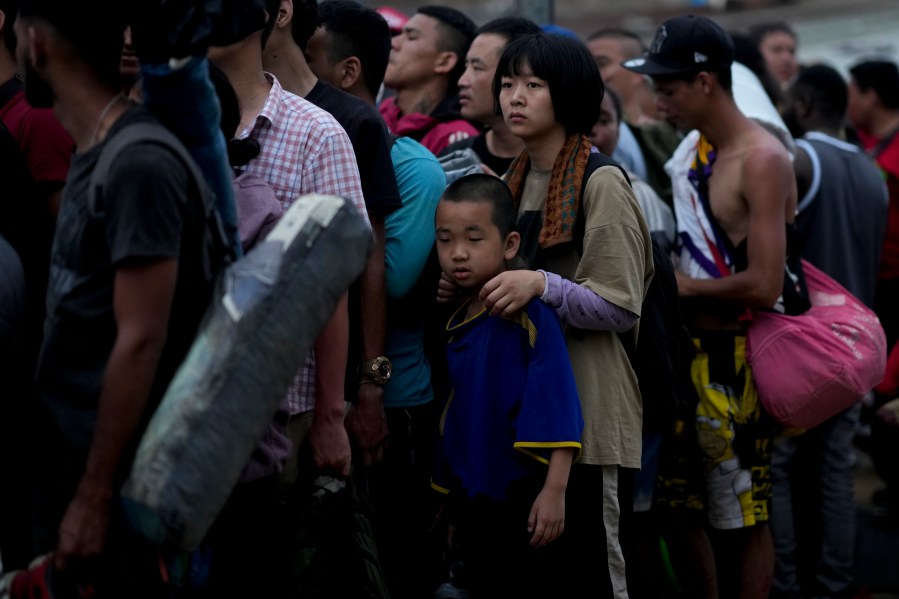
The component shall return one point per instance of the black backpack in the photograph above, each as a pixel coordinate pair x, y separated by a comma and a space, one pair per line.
663, 344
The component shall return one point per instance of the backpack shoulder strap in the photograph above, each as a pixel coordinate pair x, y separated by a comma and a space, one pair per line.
594, 162
144, 132
216, 242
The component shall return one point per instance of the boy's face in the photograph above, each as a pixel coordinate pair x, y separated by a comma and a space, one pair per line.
469, 245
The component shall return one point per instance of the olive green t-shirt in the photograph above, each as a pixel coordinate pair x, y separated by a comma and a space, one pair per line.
616, 264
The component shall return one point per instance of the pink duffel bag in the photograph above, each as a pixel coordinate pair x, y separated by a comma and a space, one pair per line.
810, 367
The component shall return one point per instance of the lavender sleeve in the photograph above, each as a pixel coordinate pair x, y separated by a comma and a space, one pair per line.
578, 306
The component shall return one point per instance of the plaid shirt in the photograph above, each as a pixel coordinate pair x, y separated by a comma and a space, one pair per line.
303, 149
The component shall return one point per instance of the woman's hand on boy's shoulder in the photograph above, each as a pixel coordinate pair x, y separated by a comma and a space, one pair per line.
510, 291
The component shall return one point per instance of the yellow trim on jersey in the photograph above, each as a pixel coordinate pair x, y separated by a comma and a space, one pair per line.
439, 489
464, 305
522, 318
526, 446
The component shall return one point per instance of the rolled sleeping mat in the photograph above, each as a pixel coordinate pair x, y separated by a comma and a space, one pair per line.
267, 311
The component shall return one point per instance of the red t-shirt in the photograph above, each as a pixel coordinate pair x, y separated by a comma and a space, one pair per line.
46, 145
888, 160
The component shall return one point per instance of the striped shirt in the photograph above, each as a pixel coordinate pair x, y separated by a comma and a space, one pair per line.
303, 150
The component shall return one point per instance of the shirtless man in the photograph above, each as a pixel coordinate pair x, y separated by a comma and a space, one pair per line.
751, 194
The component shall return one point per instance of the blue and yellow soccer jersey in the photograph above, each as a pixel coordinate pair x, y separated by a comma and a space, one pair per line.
514, 400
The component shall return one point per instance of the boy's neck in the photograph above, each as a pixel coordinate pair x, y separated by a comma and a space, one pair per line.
475, 306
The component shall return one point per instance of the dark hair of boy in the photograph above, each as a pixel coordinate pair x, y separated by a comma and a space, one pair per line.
825, 88
94, 28
569, 70
758, 32
489, 189
880, 75
510, 28
356, 30
456, 34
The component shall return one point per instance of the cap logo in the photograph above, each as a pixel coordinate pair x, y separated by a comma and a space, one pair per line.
658, 40
699, 58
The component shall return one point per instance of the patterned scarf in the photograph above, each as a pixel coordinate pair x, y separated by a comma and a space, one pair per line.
563, 196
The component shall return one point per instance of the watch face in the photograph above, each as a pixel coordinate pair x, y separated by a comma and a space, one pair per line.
384, 370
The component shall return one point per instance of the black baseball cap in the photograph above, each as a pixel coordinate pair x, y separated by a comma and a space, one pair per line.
685, 44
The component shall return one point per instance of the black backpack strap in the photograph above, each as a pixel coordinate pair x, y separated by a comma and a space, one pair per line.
155, 133
594, 162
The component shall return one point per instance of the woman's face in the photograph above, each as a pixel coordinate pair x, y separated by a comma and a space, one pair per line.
527, 105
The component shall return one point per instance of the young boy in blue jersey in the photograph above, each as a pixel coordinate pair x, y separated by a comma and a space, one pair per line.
512, 424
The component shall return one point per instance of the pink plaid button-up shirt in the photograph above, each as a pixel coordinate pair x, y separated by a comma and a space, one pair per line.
303, 149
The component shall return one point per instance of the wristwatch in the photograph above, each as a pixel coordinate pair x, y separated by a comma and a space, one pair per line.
377, 370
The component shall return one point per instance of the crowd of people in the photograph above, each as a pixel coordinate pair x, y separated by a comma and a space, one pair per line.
539, 386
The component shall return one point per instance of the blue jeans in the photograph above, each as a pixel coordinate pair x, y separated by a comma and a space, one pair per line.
828, 447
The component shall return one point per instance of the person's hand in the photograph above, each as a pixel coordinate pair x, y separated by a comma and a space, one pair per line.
447, 290
547, 517
367, 423
82, 532
330, 444
510, 291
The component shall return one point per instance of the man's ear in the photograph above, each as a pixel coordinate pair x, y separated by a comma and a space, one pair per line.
35, 45
445, 62
704, 79
285, 13
2, 22
350, 72
510, 248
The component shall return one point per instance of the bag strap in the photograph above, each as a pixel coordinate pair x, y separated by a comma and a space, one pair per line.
143, 132
595, 161
155, 133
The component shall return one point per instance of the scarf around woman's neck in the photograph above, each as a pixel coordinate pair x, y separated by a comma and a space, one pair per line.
563, 196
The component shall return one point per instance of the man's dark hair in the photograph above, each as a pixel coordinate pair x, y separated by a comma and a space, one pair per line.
826, 89
880, 75
94, 28
306, 20
358, 31
510, 28
621, 34
575, 85
758, 32
9, 8
455, 34
489, 189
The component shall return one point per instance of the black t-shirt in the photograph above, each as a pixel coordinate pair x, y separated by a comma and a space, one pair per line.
478, 143
150, 210
369, 136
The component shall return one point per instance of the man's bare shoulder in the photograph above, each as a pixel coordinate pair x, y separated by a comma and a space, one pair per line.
762, 149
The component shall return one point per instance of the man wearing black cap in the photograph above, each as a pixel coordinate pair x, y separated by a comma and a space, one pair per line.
743, 193
426, 61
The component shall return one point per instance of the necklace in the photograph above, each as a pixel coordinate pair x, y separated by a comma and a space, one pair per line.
115, 100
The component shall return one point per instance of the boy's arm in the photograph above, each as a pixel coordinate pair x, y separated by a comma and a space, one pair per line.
768, 178
547, 517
